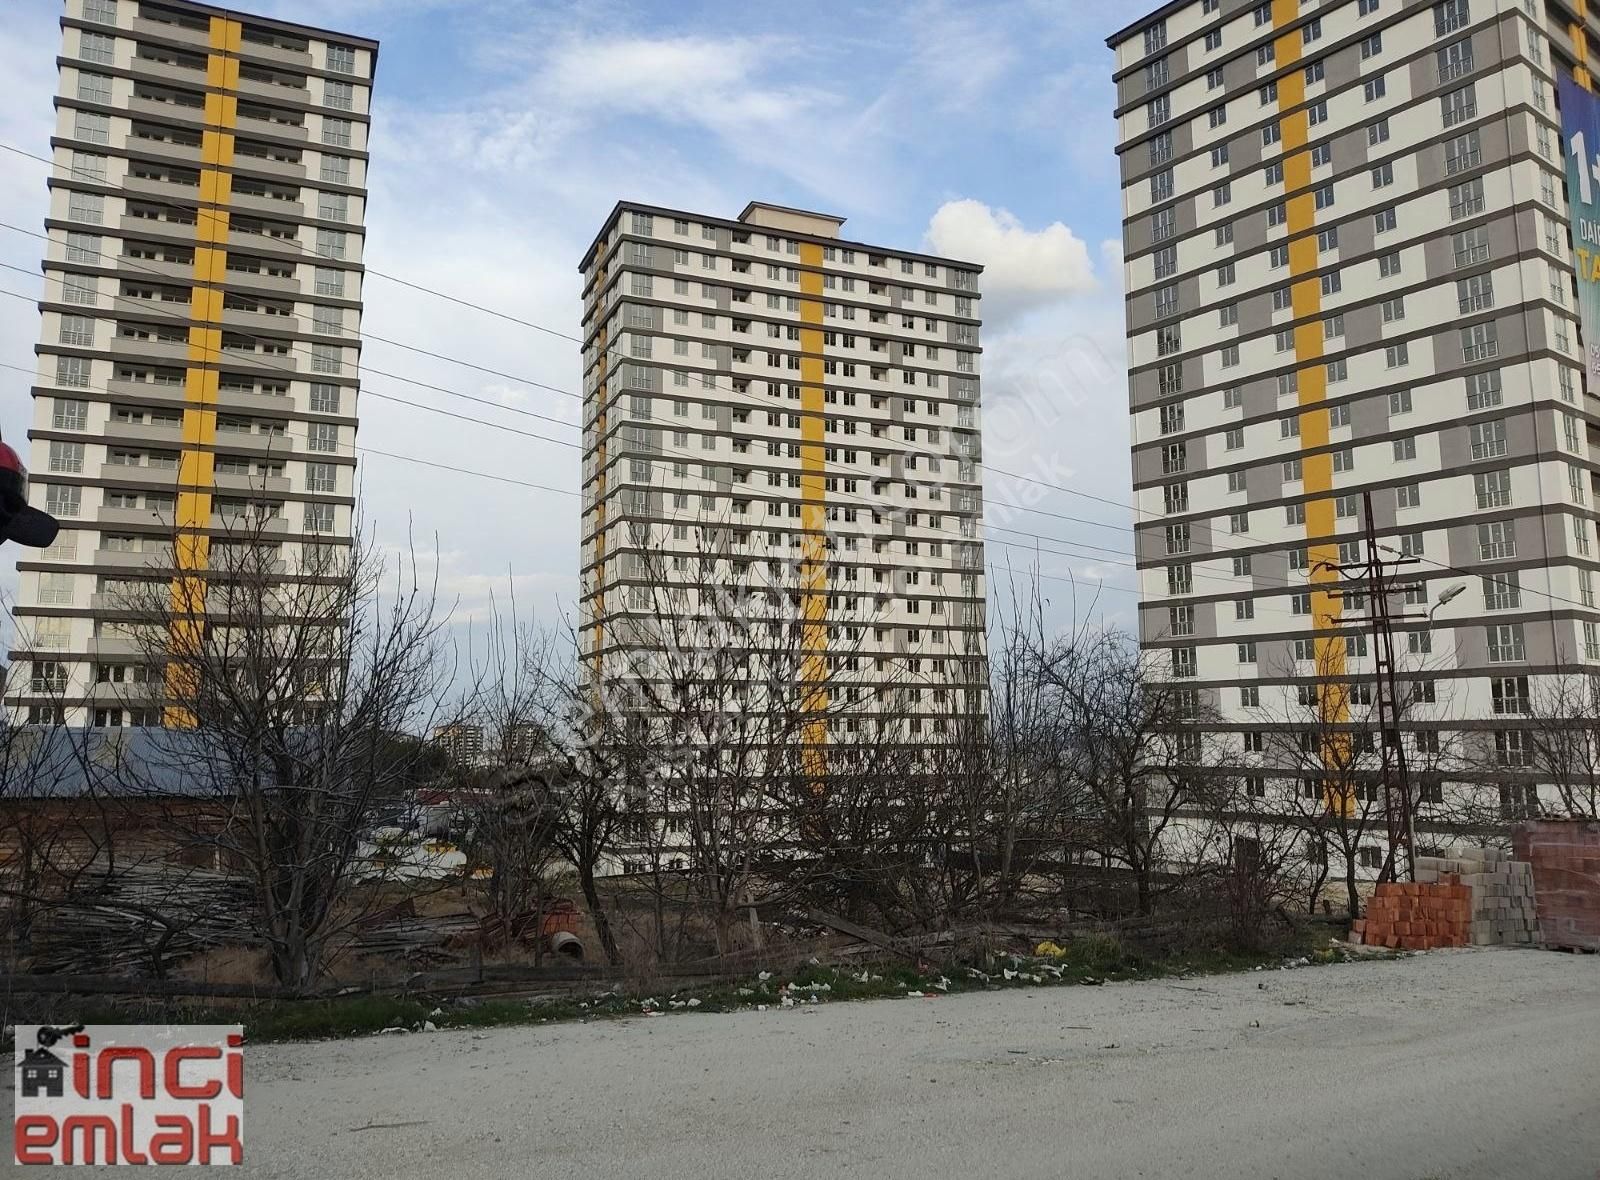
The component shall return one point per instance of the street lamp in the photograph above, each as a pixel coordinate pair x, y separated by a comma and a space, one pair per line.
1450, 593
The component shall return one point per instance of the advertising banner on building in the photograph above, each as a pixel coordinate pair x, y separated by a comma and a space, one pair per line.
1580, 126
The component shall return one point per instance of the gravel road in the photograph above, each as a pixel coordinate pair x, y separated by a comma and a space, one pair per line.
1445, 1066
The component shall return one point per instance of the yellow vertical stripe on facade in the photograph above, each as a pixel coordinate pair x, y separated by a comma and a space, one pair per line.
1580, 45
813, 515
1316, 471
197, 464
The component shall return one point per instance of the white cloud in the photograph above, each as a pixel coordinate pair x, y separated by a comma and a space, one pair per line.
1023, 269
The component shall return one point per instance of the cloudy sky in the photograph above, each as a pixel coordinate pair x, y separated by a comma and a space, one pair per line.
504, 131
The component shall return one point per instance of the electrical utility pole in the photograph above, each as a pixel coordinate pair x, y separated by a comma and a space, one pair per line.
1378, 579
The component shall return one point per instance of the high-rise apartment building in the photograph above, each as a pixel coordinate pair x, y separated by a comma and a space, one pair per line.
1349, 273
781, 440
201, 324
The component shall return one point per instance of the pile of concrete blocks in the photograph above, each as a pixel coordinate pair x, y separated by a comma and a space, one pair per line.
1502, 906
1565, 857
1411, 915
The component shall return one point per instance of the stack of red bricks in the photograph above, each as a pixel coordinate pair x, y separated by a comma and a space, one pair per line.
1565, 855
1416, 917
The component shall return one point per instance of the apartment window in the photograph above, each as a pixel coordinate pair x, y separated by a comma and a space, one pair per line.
1462, 152
1332, 284
1502, 592
1166, 261
1241, 566
102, 12
69, 414
1480, 342
338, 95
78, 330
340, 59
1383, 175
322, 436
79, 289
1155, 37
329, 281
1396, 356
1271, 133
1169, 339
1277, 214
1265, 54
1317, 112
1160, 150
1373, 89
1262, 14
1470, 247
1238, 522
1337, 370
1230, 356
321, 477
63, 501
1314, 72
1180, 620
337, 132
1475, 294
66, 458
1324, 197
1377, 132
1394, 309
326, 358
1221, 195
1321, 155
1466, 200
1291, 470
1273, 172
1163, 224
334, 169
1344, 459
1166, 301
1483, 390
91, 127
1236, 481
1159, 109
1228, 315
324, 398
94, 88
1389, 265
1404, 449
1488, 439
331, 243
1247, 653
1371, 46
1289, 427
72, 371
1497, 540
1224, 233
1459, 105
1408, 495
319, 518
1225, 274
1268, 94
1419, 643
86, 207
333, 206
1213, 42
1217, 115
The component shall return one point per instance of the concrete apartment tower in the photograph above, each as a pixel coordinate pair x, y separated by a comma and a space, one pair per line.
781, 425
1349, 271
201, 321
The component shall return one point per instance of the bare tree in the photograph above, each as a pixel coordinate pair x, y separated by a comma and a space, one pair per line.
1563, 735
292, 688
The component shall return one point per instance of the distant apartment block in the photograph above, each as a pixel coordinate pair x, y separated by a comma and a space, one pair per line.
200, 325
1349, 272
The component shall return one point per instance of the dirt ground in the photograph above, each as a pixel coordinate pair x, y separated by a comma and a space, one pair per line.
1451, 1065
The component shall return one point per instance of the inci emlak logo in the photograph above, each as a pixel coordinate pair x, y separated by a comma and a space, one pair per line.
129, 1094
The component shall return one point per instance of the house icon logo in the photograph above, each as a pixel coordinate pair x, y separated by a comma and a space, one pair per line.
42, 1074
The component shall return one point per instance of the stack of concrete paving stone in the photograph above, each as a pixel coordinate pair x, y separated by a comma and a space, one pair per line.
1502, 908
1565, 855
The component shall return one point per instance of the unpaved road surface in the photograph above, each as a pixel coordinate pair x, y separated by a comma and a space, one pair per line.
1451, 1065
